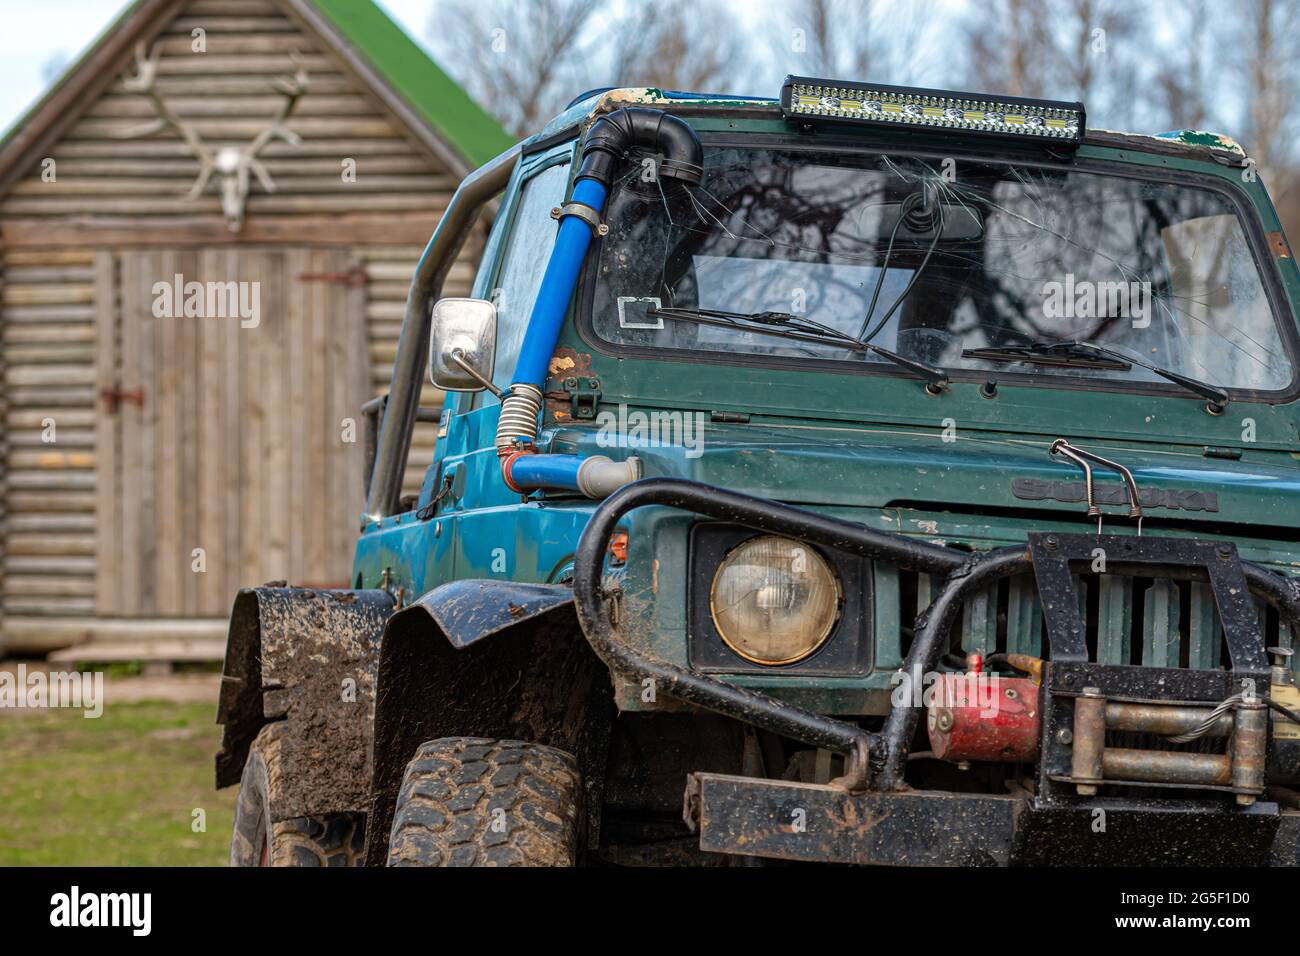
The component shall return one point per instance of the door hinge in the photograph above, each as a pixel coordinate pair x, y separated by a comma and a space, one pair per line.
584, 396
114, 397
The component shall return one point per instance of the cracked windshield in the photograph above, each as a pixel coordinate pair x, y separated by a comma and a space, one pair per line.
986, 267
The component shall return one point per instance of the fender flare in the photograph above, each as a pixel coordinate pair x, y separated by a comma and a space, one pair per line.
493, 659
309, 657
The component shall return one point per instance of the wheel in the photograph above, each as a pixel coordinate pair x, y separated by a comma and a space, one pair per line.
466, 801
333, 840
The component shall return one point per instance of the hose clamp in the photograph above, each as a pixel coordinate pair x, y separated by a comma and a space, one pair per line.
584, 212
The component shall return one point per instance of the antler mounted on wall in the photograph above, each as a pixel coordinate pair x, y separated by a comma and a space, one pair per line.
234, 165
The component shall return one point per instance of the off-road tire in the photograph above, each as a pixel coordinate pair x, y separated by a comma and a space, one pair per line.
335, 840
467, 801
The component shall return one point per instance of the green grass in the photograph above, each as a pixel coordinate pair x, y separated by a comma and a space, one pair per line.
119, 790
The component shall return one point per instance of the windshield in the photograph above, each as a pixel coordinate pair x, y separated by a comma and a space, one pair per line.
983, 255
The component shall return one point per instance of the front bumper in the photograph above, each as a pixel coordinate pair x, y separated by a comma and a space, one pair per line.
870, 815
807, 822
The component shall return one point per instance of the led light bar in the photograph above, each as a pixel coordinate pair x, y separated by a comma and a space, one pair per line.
807, 99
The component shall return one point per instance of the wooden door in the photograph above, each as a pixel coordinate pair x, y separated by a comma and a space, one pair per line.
229, 451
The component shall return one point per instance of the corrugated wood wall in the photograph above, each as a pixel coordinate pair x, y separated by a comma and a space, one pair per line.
67, 551
49, 348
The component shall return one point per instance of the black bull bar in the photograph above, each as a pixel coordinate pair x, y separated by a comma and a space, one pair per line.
875, 761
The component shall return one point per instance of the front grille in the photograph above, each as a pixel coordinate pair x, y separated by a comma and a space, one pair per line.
1152, 622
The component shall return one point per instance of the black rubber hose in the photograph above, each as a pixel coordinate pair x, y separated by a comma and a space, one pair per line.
610, 137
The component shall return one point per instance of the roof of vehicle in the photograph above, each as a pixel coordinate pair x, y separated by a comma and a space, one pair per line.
595, 102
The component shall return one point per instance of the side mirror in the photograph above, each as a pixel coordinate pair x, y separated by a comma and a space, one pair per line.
463, 345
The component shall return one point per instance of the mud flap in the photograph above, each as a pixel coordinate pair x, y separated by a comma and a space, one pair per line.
494, 659
310, 658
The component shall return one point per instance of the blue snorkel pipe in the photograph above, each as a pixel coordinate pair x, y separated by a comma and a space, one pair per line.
606, 145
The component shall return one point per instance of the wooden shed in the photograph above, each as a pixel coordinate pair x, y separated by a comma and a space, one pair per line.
161, 450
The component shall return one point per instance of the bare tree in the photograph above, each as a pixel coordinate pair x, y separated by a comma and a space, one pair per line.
1096, 42
1009, 43
1269, 51
876, 40
1182, 81
522, 61
1059, 49
679, 45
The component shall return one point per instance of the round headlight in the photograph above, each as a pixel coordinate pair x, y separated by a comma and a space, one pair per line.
774, 600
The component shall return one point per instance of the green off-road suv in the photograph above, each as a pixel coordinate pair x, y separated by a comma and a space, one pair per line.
872, 475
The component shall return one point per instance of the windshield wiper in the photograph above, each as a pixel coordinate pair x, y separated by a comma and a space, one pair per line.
797, 328
1091, 355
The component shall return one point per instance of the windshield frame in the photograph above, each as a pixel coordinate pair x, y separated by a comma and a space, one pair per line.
1037, 377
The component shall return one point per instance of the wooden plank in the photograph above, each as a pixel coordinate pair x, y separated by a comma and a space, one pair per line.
81, 545
154, 149
49, 257
48, 314
77, 605
322, 437
350, 359
225, 63
286, 351
50, 458
240, 45
65, 333
263, 103
203, 497
187, 451
294, 442
186, 169
48, 272
130, 481
51, 501
66, 437
80, 480
189, 230
245, 129
43, 523
48, 295
230, 8
233, 467
46, 396
54, 375
229, 23
253, 406
42, 634
236, 85
18, 565
99, 652
40, 195
58, 353
27, 585
166, 571
178, 204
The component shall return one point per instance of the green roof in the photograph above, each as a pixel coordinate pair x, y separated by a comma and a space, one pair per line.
420, 81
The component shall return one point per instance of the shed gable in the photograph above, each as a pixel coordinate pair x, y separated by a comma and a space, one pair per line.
356, 173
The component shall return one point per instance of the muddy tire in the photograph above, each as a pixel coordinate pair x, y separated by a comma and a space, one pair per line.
466, 801
334, 840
